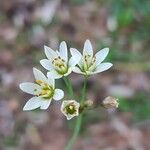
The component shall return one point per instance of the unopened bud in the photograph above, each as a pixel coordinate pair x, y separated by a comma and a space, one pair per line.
110, 102
88, 103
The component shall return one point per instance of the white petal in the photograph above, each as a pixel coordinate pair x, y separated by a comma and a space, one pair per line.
29, 87
57, 52
74, 51
32, 103
69, 117
54, 74
46, 64
87, 48
101, 55
81, 62
59, 94
63, 50
103, 67
51, 81
77, 70
45, 104
39, 75
76, 57
68, 72
50, 54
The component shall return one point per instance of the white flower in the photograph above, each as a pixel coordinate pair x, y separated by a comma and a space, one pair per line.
70, 108
43, 90
92, 64
58, 63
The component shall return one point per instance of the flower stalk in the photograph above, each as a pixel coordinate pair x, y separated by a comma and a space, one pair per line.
69, 87
79, 119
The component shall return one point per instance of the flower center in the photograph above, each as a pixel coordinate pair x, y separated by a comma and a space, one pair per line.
60, 65
46, 91
70, 109
89, 63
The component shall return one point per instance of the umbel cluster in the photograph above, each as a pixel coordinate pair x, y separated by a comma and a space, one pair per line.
59, 65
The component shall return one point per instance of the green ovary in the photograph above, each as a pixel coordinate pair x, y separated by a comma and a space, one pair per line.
70, 109
89, 63
47, 91
60, 65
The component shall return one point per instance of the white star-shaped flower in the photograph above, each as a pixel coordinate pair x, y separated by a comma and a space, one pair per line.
70, 108
92, 64
58, 63
43, 90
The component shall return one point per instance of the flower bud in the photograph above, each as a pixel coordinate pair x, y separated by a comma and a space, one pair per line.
70, 108
88, 103
110, 102
85, 105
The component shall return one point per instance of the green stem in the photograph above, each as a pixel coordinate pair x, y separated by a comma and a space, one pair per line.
75, 133
69, 86
78, 121
84, 90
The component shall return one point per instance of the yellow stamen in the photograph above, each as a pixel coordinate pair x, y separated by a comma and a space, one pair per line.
39, 82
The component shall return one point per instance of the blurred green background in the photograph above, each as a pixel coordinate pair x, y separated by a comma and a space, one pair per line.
123, 26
